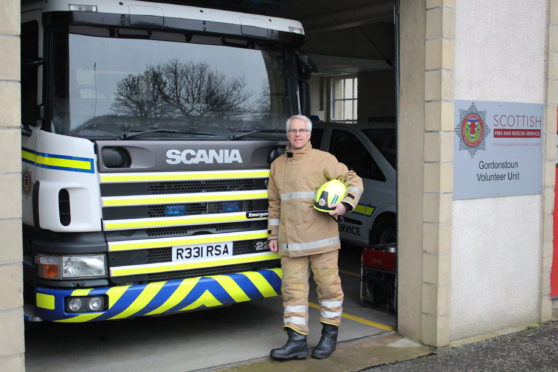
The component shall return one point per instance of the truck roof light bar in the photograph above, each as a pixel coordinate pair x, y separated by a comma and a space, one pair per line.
296, 30
82, 8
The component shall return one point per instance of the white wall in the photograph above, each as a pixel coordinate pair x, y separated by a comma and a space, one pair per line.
496, 244
495, 265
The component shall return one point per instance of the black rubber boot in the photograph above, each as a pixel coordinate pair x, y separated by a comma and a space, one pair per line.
327, 343
295, 347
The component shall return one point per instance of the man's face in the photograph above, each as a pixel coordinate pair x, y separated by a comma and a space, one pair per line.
298, 134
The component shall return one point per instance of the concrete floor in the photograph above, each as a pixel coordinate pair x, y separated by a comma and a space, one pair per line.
349, 356
205, 340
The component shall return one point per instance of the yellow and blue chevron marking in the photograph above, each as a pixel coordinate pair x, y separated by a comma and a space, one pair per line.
59, 162
163, 298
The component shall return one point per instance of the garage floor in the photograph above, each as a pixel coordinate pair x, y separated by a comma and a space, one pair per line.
204, 340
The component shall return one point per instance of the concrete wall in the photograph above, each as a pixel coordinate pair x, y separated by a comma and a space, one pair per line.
11, 297
410, 168
471, 268
497, 246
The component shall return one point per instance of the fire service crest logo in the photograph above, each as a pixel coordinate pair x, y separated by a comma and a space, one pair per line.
472, 130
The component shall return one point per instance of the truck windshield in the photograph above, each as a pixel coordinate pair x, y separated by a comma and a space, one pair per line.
107, 86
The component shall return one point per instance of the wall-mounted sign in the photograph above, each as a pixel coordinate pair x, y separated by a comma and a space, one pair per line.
497, 149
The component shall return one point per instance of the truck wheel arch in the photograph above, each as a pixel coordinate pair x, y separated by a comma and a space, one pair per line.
384, 229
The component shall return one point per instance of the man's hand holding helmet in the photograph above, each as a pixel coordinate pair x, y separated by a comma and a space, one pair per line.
339, 209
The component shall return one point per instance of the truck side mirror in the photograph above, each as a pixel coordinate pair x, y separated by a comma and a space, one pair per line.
30, 112
305, 65
26, 130
32, 63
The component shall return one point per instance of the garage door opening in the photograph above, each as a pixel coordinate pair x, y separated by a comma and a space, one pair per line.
354, 107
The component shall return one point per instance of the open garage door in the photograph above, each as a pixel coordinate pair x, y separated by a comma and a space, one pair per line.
354, 108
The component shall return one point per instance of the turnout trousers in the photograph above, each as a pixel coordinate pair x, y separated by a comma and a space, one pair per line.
295, 289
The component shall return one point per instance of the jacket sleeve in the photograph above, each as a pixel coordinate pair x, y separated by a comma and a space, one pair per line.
274, 207
355, 189
354, 182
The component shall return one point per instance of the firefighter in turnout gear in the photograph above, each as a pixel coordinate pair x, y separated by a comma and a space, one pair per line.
307, 238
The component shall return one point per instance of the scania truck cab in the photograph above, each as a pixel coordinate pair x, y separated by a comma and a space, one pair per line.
148, 131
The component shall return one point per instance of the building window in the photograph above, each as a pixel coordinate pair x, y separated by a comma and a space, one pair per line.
344, 99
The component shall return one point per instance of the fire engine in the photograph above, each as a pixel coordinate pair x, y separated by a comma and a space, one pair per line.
148, 131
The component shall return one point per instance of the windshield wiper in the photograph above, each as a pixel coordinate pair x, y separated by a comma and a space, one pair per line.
128, 135
240, 134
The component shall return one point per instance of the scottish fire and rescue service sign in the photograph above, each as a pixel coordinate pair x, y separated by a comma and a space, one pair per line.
497, 149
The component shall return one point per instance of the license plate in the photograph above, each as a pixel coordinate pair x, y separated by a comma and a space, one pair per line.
202, 251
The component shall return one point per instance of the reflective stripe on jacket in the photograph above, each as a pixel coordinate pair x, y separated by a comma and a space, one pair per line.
295, 176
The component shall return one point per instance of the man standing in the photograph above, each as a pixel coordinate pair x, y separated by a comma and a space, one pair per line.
307, 238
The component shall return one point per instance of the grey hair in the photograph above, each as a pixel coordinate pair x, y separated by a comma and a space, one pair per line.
301, 117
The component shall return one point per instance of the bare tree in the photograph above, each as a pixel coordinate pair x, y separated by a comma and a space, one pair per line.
180, 90
193, 89
262, 106
142, 96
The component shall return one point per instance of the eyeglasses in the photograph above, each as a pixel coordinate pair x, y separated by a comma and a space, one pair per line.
301, 131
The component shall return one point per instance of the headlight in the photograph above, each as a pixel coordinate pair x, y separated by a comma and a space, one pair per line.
83, 266
68, 267
85, 304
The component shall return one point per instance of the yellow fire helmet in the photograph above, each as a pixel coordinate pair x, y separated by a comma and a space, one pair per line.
331, 192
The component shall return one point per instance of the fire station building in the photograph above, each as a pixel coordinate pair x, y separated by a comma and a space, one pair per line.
475, 98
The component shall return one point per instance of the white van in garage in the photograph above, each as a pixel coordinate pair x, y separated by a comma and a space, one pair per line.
370, 150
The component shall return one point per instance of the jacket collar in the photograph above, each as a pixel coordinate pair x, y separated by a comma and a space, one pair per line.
297, 153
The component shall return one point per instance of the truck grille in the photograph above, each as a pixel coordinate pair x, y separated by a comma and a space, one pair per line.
200, 186
219, 227
182, 209
179, 187
144, 220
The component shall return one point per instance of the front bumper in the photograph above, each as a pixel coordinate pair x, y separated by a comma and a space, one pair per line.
162, 298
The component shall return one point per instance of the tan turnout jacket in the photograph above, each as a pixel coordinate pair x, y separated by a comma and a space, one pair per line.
295, 176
